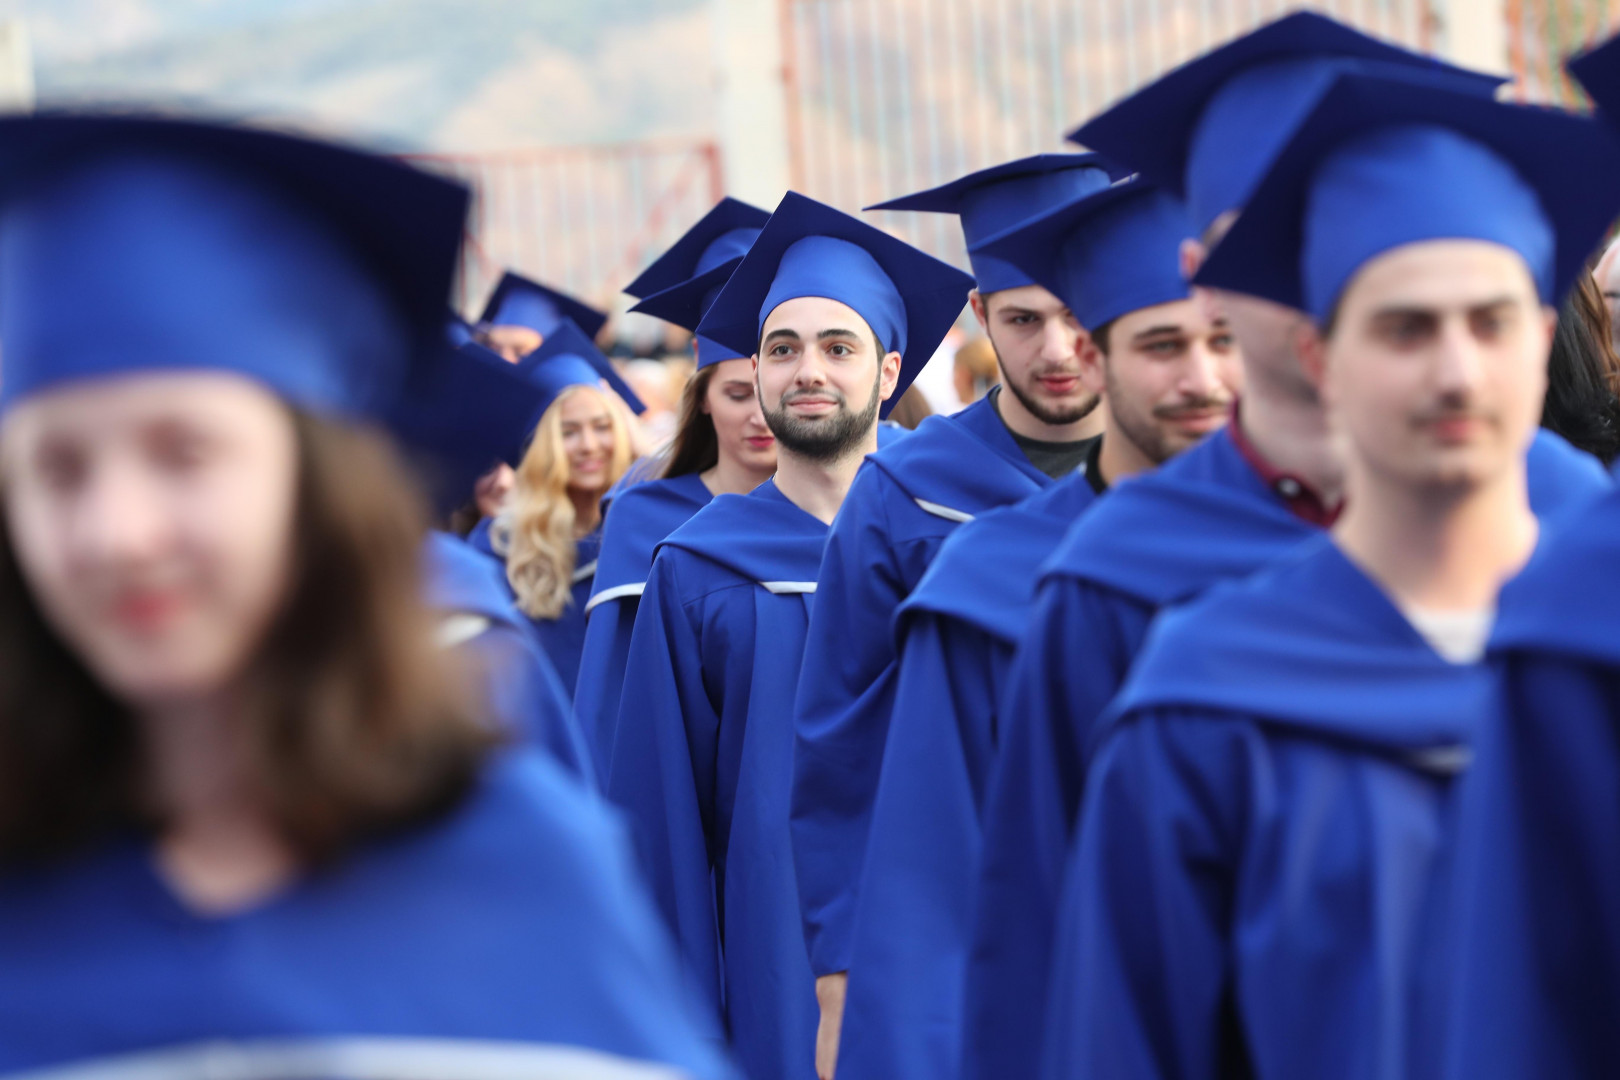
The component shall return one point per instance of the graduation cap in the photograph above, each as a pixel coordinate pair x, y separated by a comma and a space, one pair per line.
909, 298
1380, 163
1105, 254
708, 253
1598, 70
724, 233
135, 243
570, 358
1207, 130
993, 200
468, 411
517, 301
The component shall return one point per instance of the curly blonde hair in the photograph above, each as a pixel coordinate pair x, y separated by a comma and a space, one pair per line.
537, 530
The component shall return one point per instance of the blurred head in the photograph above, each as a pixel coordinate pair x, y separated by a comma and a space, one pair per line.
1170, 374
721, 419
177, 539
822, 378
974, 370
1608, 281
580, 449
1583, 374
513, 343
1037, 342
490, 493
1434, 365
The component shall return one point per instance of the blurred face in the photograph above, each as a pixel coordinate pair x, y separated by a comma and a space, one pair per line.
1038, 342
1608, 279
512, 342
1171, 374
821, 379
1265, 331
492, 489
739, 423
153, 518
1437, 366
587, 436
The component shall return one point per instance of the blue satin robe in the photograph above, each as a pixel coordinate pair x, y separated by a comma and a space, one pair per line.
703, 755
955, 638
904, 502
511, 937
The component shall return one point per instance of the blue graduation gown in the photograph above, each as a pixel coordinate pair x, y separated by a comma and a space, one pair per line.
1204, 518
524, 694
639, 519
512, 936
955, 637
563, 638
1536, 986
703, 754
904, 502
1270, 805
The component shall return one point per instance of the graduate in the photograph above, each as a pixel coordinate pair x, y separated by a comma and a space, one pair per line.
1278, 772
468, 408
264, 831
721, 445
993, 453
1167, 373
1536, 982
548, 533
839, 315
1206, 131
520, 314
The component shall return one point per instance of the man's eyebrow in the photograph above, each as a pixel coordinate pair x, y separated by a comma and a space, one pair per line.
1155, 331
835, 333
789, 335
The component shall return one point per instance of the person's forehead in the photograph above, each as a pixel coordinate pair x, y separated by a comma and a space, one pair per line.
1186, 316
1024, 298
1440, 273
583, 404
808, 316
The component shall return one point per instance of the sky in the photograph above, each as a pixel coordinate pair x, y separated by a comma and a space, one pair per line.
425, 75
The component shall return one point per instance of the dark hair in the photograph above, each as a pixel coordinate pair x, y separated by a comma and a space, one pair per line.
1582, 374
361, 725
911, 410
696, 447
1100, 336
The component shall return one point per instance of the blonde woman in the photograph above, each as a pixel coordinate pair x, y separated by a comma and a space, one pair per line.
549, 531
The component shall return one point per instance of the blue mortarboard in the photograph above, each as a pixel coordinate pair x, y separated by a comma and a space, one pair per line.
909, 298
1104, 254
1207, 130
724, 233
1598, 70
569, 358
1380, 163
708, 253
517, 301
993, 200
134, 243
469, 410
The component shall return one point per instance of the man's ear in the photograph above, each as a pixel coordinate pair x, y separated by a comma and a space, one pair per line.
1311, 349
890, 375
980, 312
1093, 365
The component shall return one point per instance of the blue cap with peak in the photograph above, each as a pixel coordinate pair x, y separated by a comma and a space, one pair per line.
569, 358
517, 301
993, 200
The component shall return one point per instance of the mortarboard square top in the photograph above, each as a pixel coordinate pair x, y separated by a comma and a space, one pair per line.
1106, 254
1379, 164
685, 305
909, 298
724, 233
569, 358
1207, 130
517, 301
993, 200
132, 243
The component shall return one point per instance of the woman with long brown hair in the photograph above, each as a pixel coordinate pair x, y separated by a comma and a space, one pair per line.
251, 820
721, 445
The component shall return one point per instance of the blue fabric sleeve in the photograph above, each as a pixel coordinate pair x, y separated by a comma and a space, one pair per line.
1075, 656
663, 771
903, 1017
602, 665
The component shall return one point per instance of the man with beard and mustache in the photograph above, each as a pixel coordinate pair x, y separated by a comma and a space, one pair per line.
1268, 481
1167, 373
993, 453
1258, 871
839, 317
